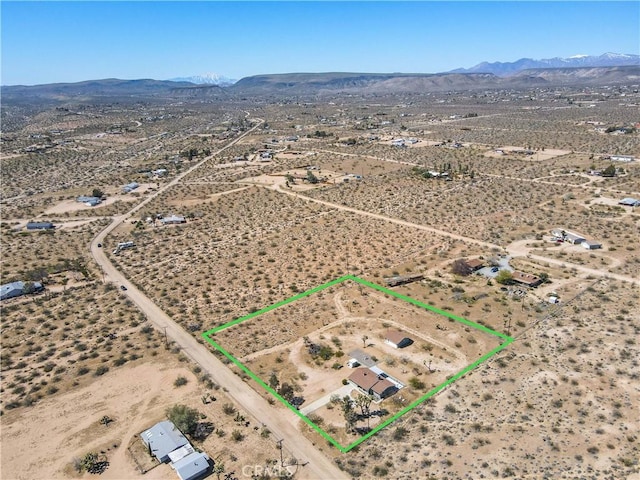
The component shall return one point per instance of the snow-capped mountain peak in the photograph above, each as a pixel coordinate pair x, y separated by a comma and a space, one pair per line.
206, 79
615, 55
509, 68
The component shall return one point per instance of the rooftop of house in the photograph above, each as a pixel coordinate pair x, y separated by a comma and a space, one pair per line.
163, 438
382, 386
525, 278
474, 263
364, 378
395, 336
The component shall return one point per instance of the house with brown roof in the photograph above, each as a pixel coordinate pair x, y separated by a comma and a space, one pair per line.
372, 383
397, 339
474, 264
525, 279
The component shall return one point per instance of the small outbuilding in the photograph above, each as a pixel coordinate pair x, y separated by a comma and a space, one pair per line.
40, 226
130, 187
591, 245
173, 220
629, 202
403, 279
89, 201
397, 339
192, 466
568, 236
622, 158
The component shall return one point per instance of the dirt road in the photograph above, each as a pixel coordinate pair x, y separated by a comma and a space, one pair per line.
281, 423
517, 250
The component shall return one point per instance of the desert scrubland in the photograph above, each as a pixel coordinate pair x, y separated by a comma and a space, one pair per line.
279, 197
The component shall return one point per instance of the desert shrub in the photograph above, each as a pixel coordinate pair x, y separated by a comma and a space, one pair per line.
416, 383
400, 433
228, 409
184, 418
180, 381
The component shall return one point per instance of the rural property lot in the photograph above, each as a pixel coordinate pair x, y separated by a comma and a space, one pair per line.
286, 342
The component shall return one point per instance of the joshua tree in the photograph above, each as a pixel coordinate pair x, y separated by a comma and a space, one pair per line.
364, 402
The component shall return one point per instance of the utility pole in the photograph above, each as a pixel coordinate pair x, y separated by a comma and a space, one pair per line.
166, 341
279, 442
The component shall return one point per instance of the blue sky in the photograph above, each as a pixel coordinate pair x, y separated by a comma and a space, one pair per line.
44, 42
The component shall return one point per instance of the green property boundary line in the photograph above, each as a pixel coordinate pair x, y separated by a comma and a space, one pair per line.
506, 341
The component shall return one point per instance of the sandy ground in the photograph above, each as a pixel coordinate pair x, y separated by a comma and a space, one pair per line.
73, 206
42, 444
279, 180
545, 154
66, 225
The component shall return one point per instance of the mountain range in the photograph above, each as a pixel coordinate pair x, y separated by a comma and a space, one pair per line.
578, 70
500, 69
503, 69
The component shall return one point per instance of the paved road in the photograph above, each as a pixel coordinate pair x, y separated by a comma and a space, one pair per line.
281, 423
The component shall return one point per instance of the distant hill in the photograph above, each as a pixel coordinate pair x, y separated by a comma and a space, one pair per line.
503, 69
318, 84
110, 87
359, 82
378, 83
579, 76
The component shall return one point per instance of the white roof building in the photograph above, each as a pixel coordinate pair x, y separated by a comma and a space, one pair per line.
17, 289
173, 220
191, 466
162, 439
